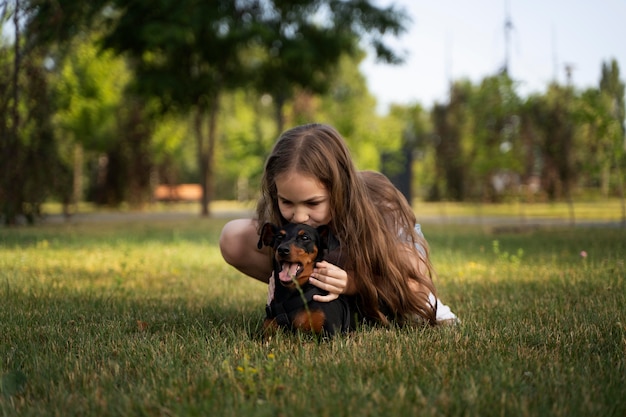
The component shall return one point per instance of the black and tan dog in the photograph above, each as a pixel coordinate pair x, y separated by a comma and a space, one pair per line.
297, 248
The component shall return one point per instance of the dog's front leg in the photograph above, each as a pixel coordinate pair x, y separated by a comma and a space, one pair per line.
309, 321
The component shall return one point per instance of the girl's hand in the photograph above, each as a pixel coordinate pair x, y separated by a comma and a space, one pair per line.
330, 278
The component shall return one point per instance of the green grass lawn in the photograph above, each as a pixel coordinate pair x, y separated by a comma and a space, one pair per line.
146, 319
604, 209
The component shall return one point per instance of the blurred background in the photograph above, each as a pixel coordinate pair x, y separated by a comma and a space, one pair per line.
538, 41
128, 104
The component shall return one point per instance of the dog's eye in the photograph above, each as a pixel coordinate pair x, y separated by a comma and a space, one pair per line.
305, 237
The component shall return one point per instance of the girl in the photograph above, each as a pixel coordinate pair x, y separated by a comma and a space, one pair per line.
310, 178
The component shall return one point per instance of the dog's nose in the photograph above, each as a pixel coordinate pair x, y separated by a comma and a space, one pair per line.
283, 250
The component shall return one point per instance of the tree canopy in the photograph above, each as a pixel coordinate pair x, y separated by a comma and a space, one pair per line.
187, 53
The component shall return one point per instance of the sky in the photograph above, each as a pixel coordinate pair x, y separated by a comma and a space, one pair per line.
465, 39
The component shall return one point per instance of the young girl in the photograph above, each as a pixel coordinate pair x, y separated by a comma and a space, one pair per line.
310, 178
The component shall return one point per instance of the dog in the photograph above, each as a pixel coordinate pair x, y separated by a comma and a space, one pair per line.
297, 248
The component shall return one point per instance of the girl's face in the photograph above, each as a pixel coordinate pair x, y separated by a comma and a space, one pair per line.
303, 199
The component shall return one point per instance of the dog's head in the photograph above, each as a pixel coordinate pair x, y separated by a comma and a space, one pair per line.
297, 248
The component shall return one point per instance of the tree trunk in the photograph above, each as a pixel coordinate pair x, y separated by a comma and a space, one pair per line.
210, 155
77, 183
206, 149
16, 68
202, 161
11, 152
137, 142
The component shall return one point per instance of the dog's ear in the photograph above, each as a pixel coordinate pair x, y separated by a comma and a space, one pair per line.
324, 232
268, 235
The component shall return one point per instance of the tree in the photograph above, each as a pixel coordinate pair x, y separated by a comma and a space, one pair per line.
418, 135
553, 115
303, 42
29, 163
89, 88
530, 136
182, 53
612, 87
188, 53
247, 132
449, 122
410, 126
495, 133
349, 107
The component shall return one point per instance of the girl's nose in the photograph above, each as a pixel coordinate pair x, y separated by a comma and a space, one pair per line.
300, 215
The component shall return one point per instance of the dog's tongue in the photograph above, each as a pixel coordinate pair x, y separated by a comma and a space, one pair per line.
288, 272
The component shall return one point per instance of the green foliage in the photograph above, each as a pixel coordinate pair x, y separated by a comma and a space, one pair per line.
143, 318
30, 167
451, 135
558, 141
601, 135
228, 76
612, 86
304, 42
169, 139
562, 137
89, 90
349, 107
496, 145
247, 134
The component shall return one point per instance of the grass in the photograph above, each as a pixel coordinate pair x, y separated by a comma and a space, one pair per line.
590, 209
606, 209
146, 319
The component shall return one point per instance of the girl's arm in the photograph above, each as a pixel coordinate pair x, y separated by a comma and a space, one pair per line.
238, 243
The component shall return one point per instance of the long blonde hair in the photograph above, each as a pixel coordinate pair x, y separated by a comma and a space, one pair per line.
364, 207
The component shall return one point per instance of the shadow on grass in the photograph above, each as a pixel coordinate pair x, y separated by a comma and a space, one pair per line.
196, 230
36, 322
